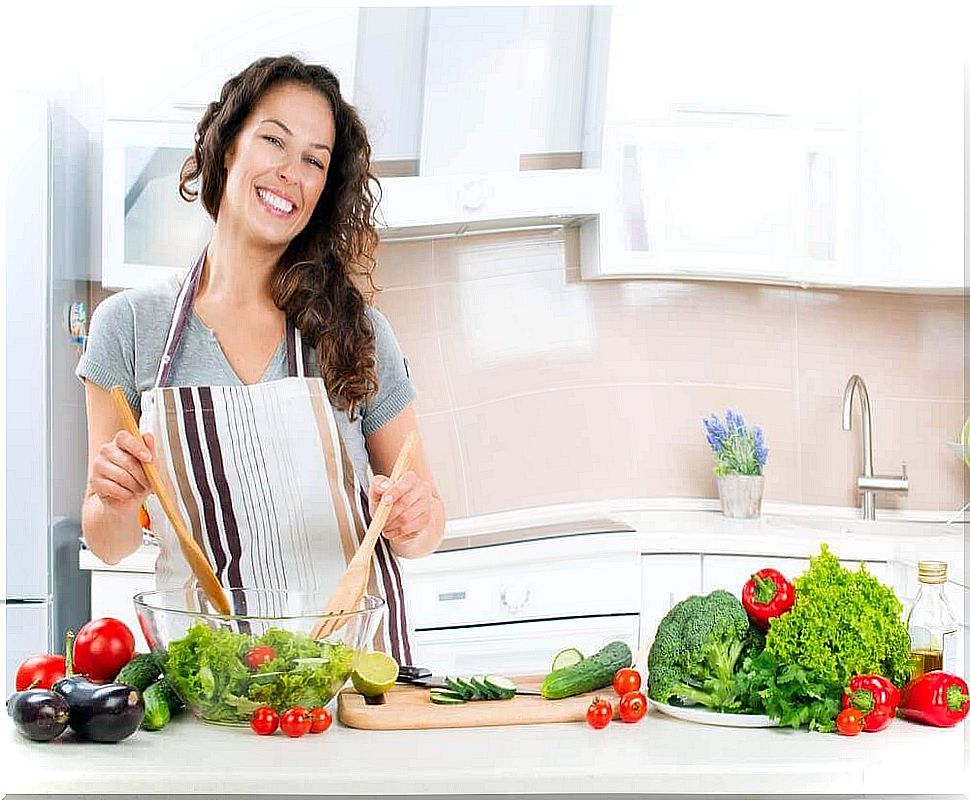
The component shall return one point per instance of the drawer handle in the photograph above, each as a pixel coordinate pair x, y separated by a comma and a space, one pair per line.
514, 598
445, 596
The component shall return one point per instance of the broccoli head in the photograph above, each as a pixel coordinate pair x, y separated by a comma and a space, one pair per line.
697, 650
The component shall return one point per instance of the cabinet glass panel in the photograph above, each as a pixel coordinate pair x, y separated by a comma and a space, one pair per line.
160, 228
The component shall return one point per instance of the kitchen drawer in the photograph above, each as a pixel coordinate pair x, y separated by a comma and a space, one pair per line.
731, 572
595, 574
518, 648
111, 596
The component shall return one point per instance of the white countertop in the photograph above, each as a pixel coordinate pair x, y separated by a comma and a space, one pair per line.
695, 525
657, 755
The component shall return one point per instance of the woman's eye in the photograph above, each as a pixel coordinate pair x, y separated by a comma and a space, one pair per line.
315, 163
274, 140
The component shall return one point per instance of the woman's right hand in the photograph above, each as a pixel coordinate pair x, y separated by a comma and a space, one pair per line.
117, 476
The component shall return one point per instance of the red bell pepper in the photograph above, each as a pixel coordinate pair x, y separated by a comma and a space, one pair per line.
936, 698
876, 697
766, 595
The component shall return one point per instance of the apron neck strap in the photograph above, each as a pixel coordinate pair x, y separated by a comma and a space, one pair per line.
295, 361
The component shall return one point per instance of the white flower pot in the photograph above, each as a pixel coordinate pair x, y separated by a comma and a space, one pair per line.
741, 495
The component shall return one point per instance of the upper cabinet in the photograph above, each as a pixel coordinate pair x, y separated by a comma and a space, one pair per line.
810, 153
684, 140
173, 73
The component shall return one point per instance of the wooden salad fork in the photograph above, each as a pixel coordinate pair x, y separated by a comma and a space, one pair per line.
190, 549
353, 584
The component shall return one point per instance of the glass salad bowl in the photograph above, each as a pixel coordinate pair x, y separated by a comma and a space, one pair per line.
264, 653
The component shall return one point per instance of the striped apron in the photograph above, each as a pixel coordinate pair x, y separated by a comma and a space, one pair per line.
261, 475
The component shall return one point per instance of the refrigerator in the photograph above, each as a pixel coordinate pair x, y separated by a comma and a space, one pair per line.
47, 246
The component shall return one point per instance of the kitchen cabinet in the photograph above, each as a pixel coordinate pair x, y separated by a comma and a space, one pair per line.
114, 586
734, 152
178, 67
148, 231
666, 580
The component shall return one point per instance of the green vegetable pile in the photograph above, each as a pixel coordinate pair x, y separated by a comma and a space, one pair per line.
844, 623
207, 668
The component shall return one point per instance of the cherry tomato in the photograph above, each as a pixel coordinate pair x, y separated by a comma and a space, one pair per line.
259, 656
626, 680
320, 719
102, 647
633, 706
265, 720
40, 672
850, 721
599, 713
295, 722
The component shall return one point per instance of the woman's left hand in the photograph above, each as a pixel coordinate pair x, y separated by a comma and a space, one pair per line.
411, 511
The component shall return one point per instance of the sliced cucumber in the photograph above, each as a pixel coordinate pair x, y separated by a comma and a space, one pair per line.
478, 681
457, 686
446, 698
566, 658
501, 686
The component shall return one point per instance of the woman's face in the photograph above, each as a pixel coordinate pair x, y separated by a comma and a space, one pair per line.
277, 165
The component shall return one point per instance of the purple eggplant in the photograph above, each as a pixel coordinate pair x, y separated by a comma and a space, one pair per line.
39, 714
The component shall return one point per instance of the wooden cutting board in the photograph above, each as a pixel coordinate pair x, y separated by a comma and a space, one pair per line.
408, 708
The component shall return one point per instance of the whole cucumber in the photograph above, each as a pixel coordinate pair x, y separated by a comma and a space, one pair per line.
589, 674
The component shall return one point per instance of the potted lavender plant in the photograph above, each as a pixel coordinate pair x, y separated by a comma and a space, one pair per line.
741, 455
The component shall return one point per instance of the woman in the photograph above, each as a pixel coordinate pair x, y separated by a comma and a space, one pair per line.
266, 383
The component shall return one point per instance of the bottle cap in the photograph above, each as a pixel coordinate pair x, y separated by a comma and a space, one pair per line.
932, 572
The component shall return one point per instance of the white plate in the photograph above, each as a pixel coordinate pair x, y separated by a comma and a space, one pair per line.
707, 717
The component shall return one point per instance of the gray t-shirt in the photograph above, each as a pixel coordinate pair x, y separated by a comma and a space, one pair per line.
127, 338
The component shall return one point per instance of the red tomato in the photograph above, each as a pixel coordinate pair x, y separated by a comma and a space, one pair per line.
102, 648
320, 719
259, 655
40, 672
265, 720
850, 721
633, 707
295, 722
626, 680
599, 713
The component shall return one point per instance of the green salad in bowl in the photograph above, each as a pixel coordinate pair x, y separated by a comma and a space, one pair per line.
225, 667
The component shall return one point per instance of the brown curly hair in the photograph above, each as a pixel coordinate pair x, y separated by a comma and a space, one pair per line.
314, 283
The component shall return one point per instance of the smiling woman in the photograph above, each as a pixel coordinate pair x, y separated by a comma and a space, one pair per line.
268, 385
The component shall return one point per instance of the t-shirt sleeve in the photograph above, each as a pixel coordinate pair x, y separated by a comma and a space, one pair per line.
109, 356
395, 389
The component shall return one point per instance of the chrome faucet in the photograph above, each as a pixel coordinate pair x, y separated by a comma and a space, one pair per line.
868, 483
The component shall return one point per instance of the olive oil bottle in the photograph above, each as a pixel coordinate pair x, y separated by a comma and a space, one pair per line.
932, 625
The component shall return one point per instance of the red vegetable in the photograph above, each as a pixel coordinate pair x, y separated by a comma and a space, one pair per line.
633, 706
295, 722
766, 595
102, 648
626, 680
259, 656
599, 713
876, 697
39, 672
936, 698
265, 720
320, 719
849, 721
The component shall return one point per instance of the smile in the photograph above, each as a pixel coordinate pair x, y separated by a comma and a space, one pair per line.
275, 204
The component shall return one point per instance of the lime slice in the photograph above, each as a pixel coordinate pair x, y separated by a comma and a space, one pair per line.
374, 674
965, 441
566, 658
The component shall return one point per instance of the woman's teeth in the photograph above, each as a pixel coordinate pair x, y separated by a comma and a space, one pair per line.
275, 203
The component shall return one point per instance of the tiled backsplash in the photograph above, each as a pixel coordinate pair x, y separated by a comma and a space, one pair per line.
536, 387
